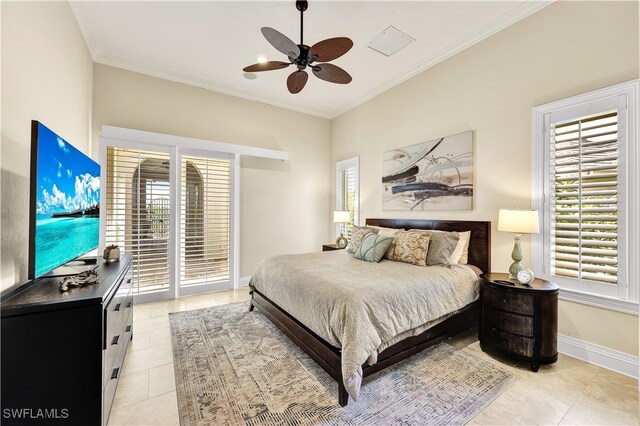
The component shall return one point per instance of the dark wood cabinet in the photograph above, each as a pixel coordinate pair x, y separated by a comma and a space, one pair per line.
518, 320
62, 353
331, 247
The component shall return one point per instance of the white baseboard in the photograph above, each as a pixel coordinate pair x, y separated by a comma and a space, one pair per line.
610, 359
243, 281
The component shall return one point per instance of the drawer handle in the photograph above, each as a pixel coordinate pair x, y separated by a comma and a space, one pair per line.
505, 300
128, 329
117, 308
129, 281
114, 373
504, 321
503, 342
115, 339
129, 304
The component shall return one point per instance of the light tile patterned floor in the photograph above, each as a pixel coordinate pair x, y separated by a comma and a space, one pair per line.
570, 392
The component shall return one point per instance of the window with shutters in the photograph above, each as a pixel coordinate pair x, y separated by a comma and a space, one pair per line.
347, 192
586, 187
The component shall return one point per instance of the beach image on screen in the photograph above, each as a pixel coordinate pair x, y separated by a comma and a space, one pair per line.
67, 202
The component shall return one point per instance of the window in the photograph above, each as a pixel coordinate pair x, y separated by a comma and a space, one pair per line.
586, 188
347, 192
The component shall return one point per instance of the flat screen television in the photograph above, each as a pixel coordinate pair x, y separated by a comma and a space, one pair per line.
64, 202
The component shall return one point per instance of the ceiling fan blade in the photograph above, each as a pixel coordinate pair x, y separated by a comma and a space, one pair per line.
280, 41
331, 73
296, 81
266, 66
331, 48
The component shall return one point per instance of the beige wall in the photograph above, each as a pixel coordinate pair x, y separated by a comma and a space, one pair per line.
283, 205
46, 76
566, 49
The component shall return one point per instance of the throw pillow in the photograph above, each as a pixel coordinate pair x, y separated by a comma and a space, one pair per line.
388, 232
461, 252
357, 236
410, 247
373, 247
441, 245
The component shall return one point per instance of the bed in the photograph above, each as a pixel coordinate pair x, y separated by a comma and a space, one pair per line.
406, 330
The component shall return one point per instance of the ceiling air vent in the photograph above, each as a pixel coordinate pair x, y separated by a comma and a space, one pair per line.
390, 41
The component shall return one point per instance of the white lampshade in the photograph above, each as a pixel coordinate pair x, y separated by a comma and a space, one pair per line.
518, 221
341, 217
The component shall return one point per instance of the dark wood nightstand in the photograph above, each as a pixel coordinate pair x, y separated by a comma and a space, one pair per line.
330, 247
518, 320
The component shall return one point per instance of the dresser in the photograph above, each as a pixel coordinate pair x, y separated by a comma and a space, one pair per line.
62, 353
519, 321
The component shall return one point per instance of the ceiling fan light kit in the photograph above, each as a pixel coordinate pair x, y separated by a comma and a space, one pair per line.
303, 56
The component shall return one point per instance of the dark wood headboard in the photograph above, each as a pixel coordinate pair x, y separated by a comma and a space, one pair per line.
479, 244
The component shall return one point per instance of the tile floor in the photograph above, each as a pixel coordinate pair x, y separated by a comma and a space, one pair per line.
570, 392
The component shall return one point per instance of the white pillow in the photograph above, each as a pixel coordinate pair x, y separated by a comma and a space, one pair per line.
460, 253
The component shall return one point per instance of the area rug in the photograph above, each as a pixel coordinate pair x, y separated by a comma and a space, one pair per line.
234, 367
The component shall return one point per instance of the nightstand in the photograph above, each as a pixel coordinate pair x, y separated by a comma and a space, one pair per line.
519, 321
330, 247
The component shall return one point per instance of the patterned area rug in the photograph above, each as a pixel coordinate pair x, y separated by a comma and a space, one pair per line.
234, 367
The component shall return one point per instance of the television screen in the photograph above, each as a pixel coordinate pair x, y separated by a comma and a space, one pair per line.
65, 202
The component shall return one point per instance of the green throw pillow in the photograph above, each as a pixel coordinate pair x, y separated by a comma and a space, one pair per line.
373, 247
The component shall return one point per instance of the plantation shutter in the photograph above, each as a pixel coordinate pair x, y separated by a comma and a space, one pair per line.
347, 191
137, 213
205, 221
584, 197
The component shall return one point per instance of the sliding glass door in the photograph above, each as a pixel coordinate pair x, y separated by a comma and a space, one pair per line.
173, 212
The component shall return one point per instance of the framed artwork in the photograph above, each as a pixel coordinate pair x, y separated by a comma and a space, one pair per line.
434, 175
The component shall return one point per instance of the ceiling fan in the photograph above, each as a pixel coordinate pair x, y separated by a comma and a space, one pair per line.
303, 56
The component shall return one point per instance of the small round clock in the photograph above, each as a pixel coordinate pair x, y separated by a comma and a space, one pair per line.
341, 242
525, 276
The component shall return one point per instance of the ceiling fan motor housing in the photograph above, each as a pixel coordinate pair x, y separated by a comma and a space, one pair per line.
304, 59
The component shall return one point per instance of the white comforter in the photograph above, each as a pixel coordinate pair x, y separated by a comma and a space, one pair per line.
363, 307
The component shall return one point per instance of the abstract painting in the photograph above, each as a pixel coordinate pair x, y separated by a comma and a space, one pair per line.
434, 175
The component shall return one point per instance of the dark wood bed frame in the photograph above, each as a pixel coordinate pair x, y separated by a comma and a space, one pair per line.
328, 356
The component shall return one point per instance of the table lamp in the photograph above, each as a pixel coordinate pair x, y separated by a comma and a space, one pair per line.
520, 222
341, 217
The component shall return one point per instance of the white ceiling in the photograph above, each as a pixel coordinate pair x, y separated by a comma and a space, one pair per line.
207, 43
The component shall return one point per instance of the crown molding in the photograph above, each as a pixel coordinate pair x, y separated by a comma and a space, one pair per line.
77, 8
509, 18
518, 13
